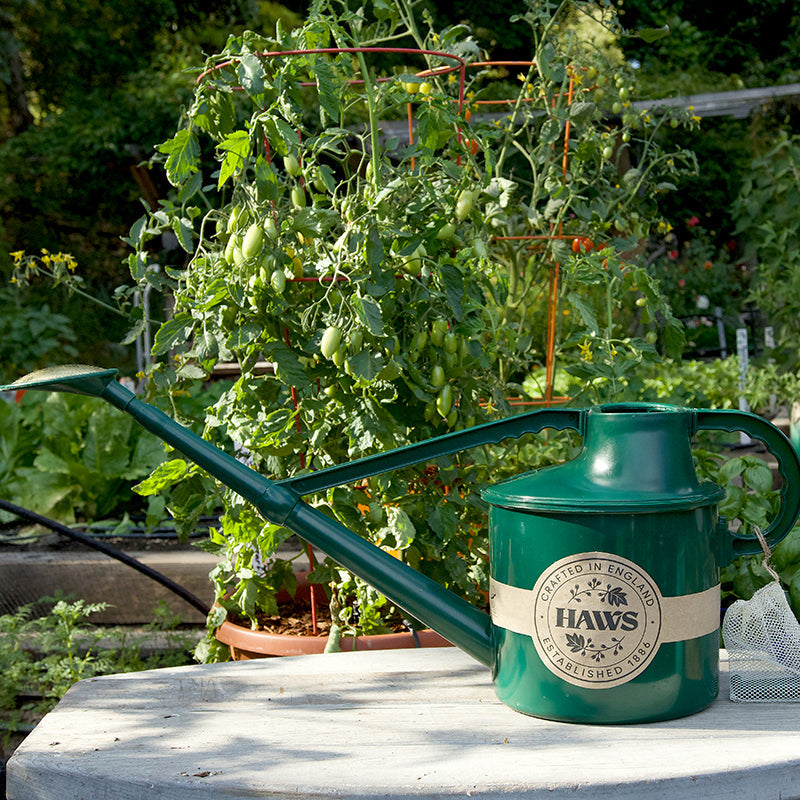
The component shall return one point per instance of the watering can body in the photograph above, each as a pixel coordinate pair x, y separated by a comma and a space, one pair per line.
605, 571
605, 576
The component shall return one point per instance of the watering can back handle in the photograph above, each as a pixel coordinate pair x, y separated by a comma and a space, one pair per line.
488, 433
788, 465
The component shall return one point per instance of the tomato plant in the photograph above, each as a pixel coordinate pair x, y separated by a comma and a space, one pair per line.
383, 285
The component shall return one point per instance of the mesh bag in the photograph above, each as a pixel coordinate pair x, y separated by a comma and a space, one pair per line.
762, 637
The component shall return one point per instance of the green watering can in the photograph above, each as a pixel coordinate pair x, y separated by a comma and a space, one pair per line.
605, 571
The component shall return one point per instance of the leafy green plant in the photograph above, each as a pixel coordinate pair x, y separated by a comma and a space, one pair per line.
69, 458
765, 219
31, 336
41, 657
609, 356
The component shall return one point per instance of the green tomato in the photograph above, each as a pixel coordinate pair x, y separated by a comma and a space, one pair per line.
651, 338
464, 204
229, 247
438, 330
253, 240
330, 341
291, 165
447, 231
298, 197
233, 219
278, 281
270, 228
444, 400
437, 376
338, 358
450, 342
412, 265
356, 342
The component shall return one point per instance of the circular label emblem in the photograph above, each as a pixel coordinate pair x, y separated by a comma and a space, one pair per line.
596, 619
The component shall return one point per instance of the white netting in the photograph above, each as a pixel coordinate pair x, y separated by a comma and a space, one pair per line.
762, 637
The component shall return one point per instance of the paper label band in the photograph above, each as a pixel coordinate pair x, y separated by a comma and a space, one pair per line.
597, 619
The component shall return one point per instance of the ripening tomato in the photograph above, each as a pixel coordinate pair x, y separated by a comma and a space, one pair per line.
582, 244
472, 146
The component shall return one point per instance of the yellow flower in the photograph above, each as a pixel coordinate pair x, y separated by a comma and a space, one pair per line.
586, 350
17, 256
451, 78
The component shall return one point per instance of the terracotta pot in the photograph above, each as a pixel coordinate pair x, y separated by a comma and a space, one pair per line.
245, 643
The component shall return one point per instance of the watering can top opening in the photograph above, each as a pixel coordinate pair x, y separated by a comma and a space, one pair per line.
73, 378
636, 458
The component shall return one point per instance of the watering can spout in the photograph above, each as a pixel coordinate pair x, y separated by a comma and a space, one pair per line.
455, 619
72, 378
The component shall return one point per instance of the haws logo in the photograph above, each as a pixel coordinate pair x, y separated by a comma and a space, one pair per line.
596, 619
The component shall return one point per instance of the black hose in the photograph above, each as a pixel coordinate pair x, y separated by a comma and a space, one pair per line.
151, 573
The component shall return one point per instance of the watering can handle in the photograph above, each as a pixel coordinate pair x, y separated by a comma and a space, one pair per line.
788, 465
488, 433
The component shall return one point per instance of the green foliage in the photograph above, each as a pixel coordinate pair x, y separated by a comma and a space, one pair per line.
69, 457
81, 117
765, 218
707, 51
379, 280
31, 336
41, 657
610, 361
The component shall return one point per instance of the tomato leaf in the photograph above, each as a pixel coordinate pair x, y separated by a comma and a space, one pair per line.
183, 231
401, 527
584, 308
374, 248
236, 148
172, 331
251, 74
183, 156
164, 476
366, 365
327, 90
287, 366
369, 313
453, 289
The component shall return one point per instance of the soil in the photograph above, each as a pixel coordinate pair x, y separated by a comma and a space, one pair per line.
295, 618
